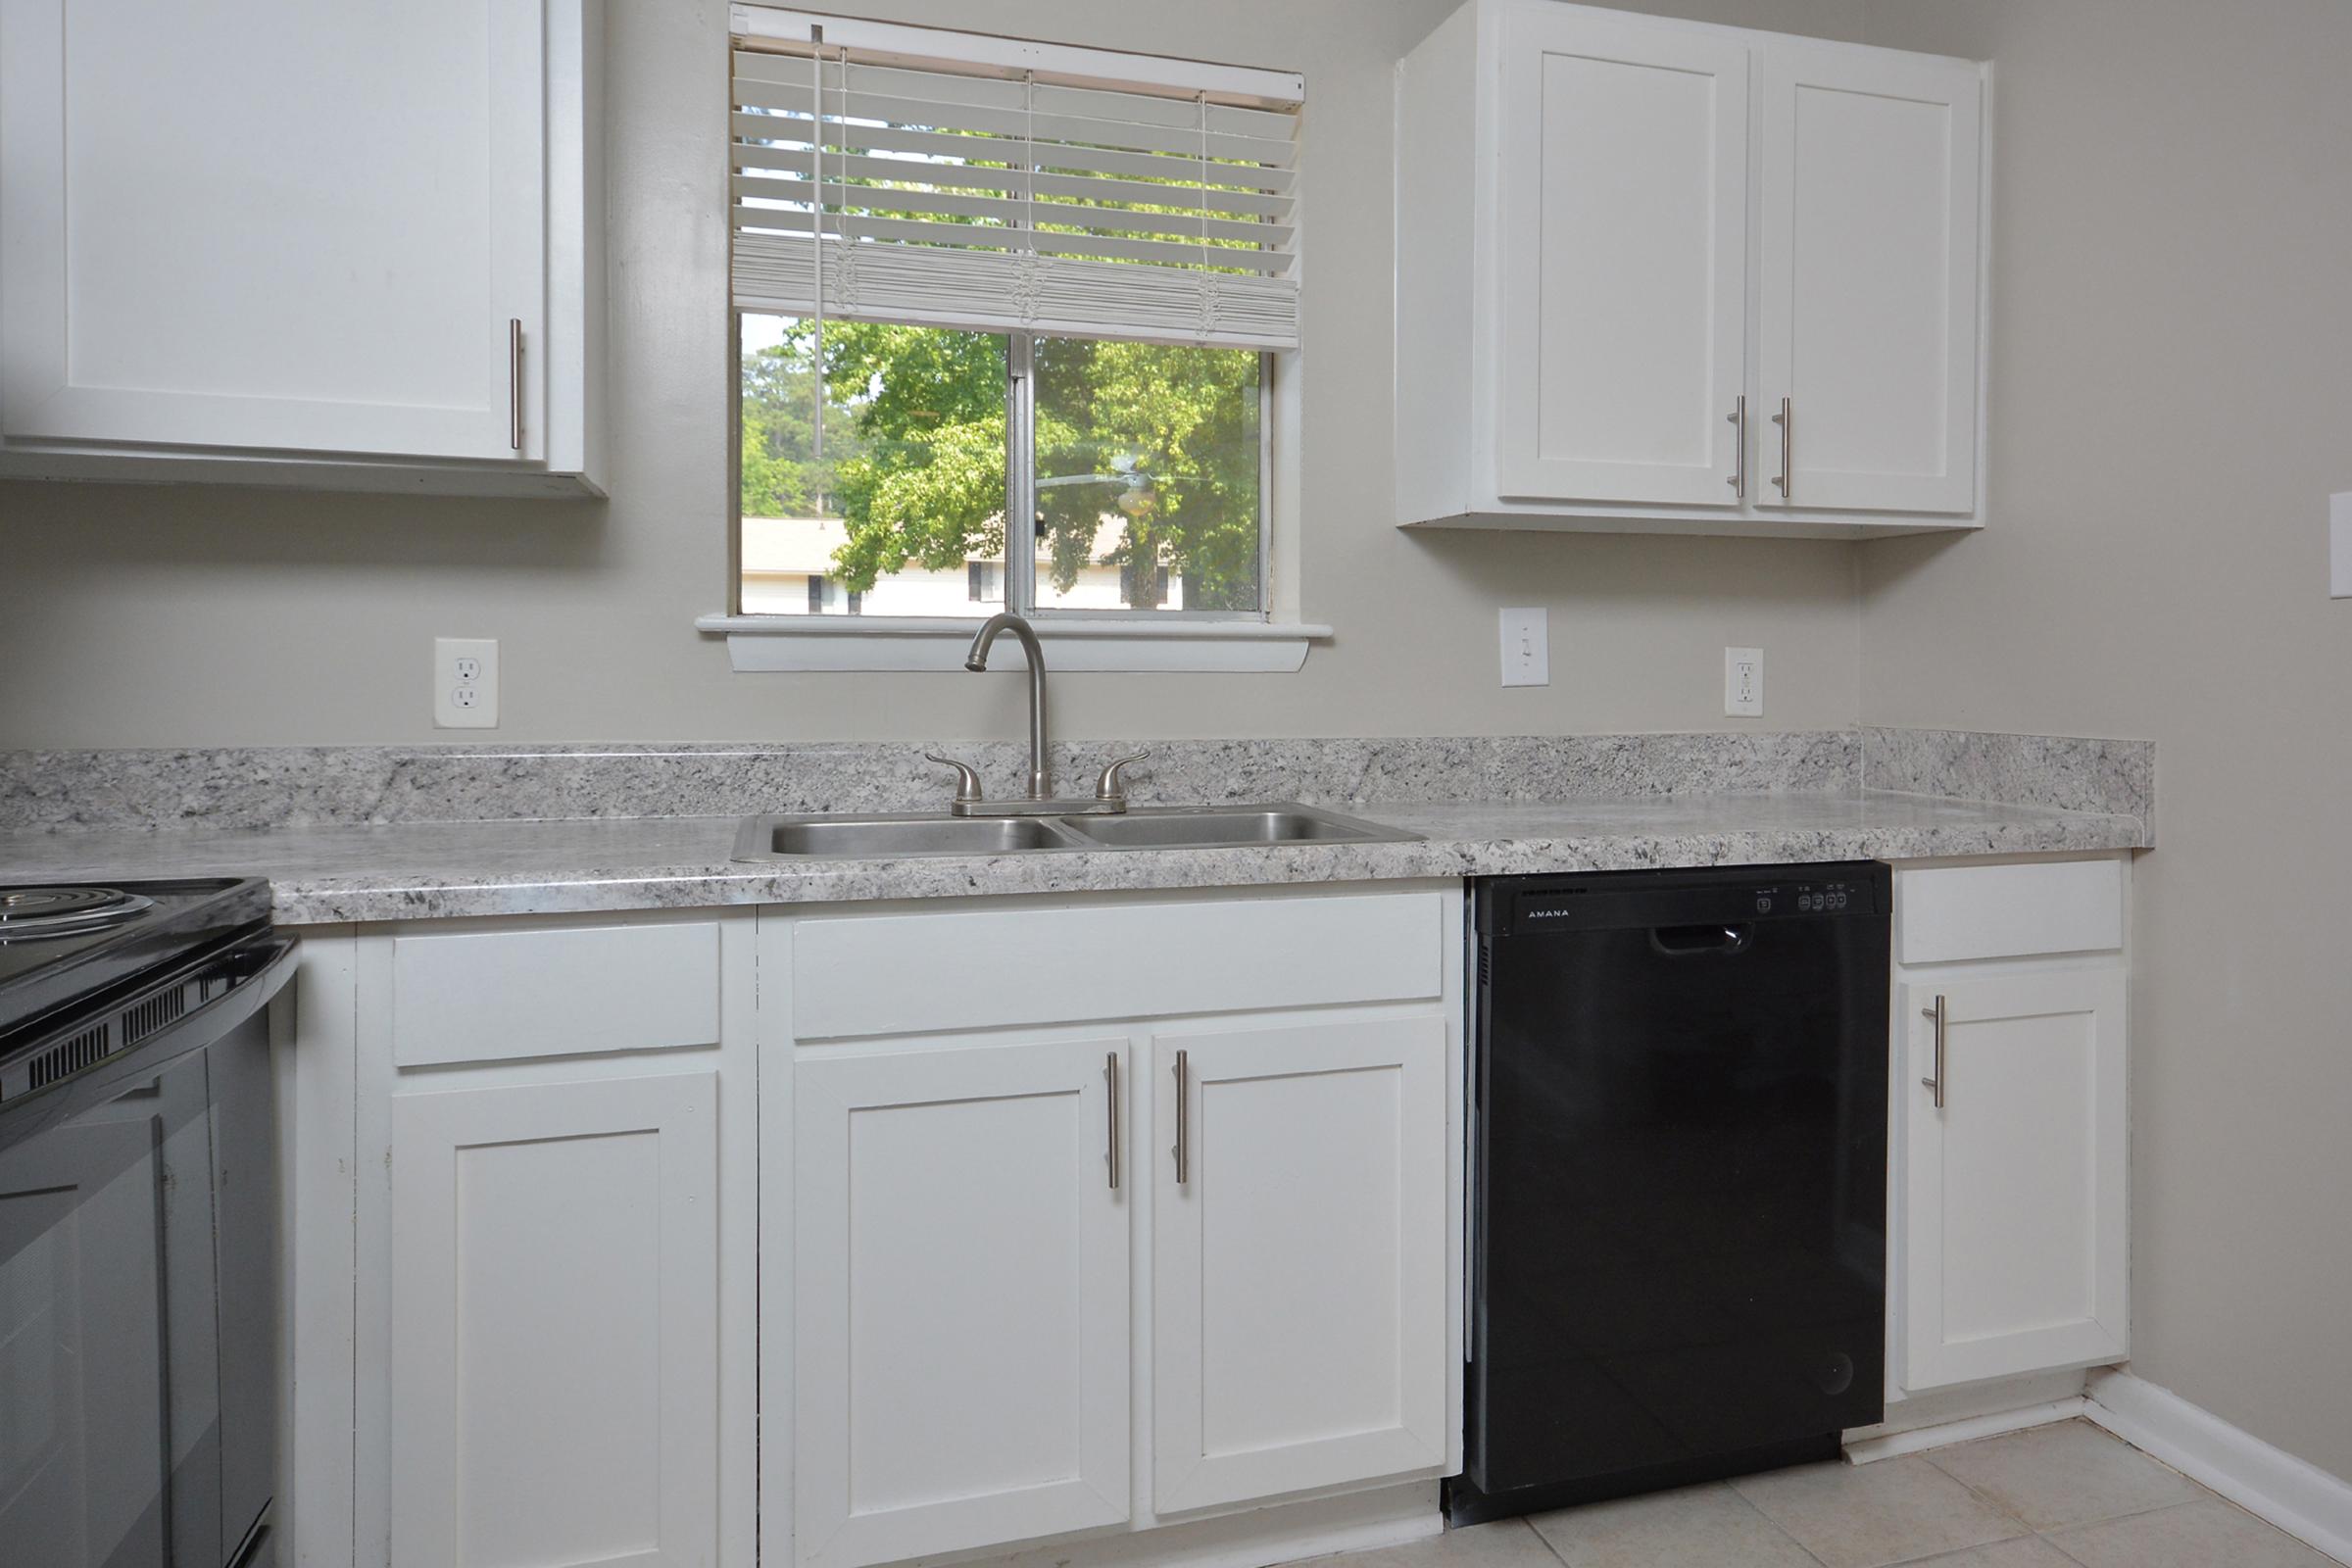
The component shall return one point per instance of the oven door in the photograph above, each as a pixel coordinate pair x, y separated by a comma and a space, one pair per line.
138, 1299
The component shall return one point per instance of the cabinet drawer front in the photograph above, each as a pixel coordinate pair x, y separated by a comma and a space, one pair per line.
497, 996
909, 974
1951, 913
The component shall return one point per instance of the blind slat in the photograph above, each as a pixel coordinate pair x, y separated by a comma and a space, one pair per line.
931, 191
966, 176
751, 127
1094, 102
966, 288
1013, 212
913, 232
859, 105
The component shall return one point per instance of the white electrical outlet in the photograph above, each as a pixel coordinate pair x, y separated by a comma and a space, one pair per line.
1526, 648
2339, 545
464, 683
1743, 682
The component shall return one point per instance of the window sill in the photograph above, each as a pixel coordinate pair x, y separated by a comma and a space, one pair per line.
845, 643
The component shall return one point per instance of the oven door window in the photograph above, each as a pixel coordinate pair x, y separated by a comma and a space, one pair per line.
109, 1361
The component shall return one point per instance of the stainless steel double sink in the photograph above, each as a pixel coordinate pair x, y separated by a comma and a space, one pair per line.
893, 834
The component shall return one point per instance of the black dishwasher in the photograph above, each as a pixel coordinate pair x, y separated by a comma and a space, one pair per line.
1677, 1178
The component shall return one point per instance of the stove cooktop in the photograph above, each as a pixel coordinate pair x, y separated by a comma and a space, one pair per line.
66, 943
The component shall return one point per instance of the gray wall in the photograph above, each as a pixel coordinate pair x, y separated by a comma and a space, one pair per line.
2172, 396
166, 616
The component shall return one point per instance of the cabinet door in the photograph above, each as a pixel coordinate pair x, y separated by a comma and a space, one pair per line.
1299, 1266
960, 1301
1868, 280
271, 223
2015, 1228
554, 1324
1621, 329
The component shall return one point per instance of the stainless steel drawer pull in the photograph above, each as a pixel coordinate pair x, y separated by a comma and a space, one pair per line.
1787, 421
1111, 1074
1739, 479
1184, 1168
1935, 1083
515, 383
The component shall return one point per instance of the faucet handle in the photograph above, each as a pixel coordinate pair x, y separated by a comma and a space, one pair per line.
1111, 786
967, 778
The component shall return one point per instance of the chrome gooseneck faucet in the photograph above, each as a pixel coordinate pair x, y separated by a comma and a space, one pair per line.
1111, 790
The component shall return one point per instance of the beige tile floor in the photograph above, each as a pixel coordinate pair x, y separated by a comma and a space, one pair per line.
2058, 1496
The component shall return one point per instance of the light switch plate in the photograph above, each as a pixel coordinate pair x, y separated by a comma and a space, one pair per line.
464, 683
1526, 648
2339, 545
1743, 682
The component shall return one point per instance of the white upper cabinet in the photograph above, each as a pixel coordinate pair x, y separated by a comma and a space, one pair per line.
1660, 275
1868, 312
1624, 262
348, 245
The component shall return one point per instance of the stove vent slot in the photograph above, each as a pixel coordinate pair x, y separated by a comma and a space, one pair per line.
68, 1058
165, 1007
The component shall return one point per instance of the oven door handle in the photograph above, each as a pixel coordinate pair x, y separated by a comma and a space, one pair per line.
267, 964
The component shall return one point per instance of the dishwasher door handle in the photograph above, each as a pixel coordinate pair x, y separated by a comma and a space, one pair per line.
1690, 941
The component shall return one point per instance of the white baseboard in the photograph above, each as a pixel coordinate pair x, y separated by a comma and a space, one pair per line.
1967, 1429
2269, 1482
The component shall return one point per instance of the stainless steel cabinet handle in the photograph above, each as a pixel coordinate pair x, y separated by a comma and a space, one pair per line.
1942, 1019
1184, 1166
515, 383
1787, 421
1110, 1074
1739, 479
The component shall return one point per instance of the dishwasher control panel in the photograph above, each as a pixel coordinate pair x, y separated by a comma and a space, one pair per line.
1598, 903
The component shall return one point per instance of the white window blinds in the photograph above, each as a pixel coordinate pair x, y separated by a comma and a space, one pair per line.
908, 175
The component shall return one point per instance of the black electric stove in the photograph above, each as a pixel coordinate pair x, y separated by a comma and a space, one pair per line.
63, 944
138, 1223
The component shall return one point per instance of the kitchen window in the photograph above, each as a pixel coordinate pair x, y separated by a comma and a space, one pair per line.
1013, 324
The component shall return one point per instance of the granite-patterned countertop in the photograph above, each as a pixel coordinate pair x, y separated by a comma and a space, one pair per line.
415, 870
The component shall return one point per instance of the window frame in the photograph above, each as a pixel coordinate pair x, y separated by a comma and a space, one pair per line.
1274, 638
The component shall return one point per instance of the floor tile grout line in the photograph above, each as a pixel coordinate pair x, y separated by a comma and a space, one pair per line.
1544, 1541
2203, 1492
1772, 1524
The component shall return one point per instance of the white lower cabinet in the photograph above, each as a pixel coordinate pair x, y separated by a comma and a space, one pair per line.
851, 1235
1298, 1257
553, 1229
2011, 1125
555, 1318
997, 1308
962, 1298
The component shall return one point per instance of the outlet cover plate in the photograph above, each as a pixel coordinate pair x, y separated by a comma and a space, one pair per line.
1743, 682
464, 683
1526, 648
